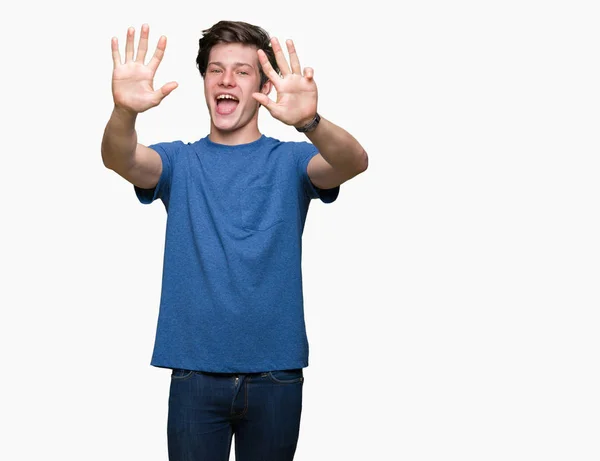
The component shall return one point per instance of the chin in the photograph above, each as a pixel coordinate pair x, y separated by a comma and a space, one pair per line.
226, 125
224, 122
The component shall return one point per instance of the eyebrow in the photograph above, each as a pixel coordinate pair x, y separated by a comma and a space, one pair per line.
235, 64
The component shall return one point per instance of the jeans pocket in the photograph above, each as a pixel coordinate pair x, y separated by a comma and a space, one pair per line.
181, 374
286, 376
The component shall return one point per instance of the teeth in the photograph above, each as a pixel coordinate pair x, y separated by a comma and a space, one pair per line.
226, 96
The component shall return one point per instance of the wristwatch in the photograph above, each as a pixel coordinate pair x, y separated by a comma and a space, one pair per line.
311, 125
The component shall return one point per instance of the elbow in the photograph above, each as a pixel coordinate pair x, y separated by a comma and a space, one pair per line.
359, 165
363, 163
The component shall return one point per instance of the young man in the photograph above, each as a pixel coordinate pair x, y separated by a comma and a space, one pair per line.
231, 320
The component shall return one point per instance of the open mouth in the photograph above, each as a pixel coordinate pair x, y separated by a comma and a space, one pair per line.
226, 104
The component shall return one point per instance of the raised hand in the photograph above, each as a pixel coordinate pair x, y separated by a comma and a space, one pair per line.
296, 92
132, 80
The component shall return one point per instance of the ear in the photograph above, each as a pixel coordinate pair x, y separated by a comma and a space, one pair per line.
267, 87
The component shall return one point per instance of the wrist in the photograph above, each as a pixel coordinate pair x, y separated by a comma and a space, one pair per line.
124, 114
308, 125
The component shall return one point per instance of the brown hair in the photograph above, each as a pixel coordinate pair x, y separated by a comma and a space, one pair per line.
235, 32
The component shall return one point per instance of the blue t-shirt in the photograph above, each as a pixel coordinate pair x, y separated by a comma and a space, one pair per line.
231, 298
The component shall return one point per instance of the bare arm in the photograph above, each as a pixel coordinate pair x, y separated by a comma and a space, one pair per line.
121, 152
341, 157
133, 93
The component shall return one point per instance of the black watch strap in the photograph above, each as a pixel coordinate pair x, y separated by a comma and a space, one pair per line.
310, 126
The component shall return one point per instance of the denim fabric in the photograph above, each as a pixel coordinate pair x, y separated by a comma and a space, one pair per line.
262, 410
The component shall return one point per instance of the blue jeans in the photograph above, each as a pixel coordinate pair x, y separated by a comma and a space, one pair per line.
261, 409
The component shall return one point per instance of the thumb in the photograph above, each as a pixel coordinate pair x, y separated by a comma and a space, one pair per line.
263, 99
166, 89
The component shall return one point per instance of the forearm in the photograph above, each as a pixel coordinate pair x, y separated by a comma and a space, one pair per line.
338, 147
120, 139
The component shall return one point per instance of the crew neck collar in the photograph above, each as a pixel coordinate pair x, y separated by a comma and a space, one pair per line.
249, 145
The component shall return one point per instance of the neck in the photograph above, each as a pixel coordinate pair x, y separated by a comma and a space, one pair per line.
245, 135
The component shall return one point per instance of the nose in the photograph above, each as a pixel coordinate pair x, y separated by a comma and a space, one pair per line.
227, 79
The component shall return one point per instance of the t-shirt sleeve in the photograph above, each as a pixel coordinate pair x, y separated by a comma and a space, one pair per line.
305, 152
167, 152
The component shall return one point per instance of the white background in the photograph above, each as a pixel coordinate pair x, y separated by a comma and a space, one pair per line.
452, 295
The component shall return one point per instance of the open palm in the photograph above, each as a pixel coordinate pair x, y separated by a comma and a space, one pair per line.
297, 95
132, 80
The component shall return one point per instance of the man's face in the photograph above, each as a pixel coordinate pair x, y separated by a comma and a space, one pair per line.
231, 77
